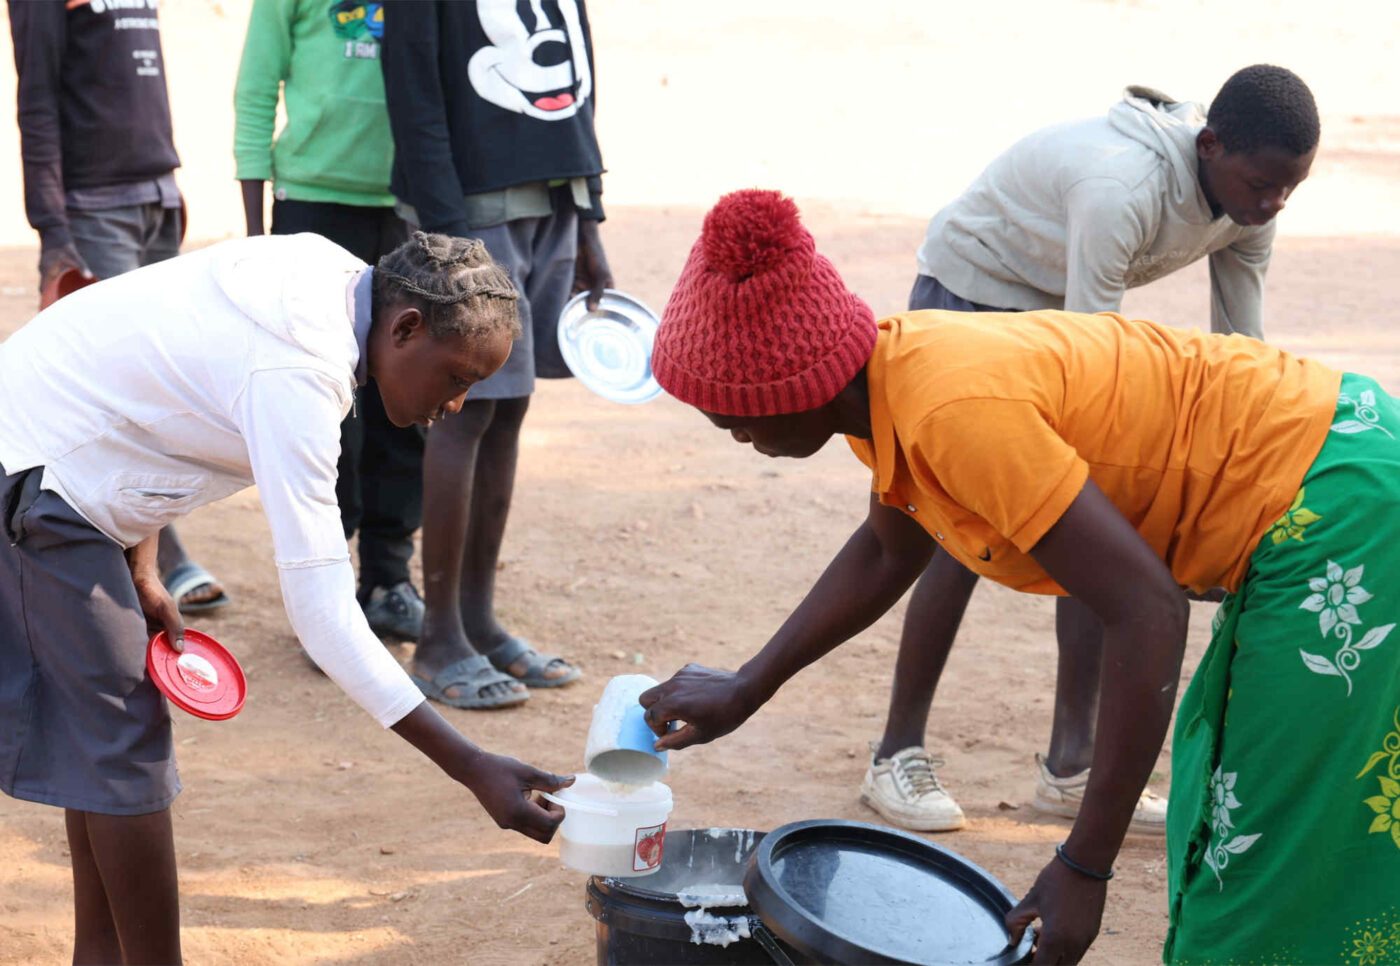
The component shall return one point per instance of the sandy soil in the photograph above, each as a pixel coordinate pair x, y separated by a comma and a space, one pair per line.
643, 539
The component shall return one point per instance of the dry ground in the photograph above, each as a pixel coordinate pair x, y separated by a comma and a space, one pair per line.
308, 835
642, 538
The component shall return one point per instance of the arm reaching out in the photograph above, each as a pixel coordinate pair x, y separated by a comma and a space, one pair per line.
1096, 555
1105, 229
1237, 283
290, 420
872, 571
502, 785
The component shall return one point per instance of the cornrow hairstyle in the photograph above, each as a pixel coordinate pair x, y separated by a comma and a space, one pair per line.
454, 282
1264, 106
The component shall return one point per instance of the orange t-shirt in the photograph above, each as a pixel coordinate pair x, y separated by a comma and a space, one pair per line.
985, 427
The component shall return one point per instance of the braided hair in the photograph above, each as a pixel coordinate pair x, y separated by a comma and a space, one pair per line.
454, 282
1264, 106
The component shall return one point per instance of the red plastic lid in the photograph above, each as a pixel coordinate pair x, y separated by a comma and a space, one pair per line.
63, 284
205, 680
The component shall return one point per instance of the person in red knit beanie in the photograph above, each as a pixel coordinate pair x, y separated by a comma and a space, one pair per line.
794, 336
1115, 461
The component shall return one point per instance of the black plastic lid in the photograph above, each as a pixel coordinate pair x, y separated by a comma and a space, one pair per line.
849, 892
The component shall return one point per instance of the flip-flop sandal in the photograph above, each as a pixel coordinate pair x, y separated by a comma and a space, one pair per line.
471, 676
185, 578
503, 655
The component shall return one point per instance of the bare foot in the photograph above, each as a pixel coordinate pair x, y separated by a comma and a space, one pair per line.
553, 671
556, 669
205, 592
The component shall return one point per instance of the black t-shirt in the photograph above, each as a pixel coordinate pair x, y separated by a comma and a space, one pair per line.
486, 95
93, 107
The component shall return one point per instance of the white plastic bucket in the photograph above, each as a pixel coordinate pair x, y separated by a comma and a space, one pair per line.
613, 830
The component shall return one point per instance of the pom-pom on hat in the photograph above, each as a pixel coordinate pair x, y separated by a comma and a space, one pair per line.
759, 324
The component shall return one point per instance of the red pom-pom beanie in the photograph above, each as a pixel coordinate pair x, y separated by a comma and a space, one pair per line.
759, 324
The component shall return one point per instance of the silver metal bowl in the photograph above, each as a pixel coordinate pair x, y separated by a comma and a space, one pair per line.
610, 350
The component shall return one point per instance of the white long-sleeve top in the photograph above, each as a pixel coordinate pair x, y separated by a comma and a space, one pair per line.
156, 392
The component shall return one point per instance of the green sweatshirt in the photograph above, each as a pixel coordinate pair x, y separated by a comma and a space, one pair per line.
324, 55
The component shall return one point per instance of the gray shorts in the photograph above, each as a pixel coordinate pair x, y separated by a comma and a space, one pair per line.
929, 293
114, 241
81, 724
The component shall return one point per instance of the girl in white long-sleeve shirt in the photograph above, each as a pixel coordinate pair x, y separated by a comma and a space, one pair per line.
133, 402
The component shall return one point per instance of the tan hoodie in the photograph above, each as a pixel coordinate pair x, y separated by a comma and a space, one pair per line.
1074, 214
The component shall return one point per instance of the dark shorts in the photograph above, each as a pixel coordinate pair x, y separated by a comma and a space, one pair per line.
114, 241
929, 293
81, 724
539, 254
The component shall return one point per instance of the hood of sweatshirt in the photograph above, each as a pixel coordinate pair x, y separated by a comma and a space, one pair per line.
1169, 129
297, 287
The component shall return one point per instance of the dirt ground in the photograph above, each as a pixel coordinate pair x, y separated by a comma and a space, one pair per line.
642, 539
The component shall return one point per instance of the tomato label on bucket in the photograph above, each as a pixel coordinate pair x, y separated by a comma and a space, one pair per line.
650, 843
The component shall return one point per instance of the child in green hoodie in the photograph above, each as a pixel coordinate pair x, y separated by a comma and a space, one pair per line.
329, 168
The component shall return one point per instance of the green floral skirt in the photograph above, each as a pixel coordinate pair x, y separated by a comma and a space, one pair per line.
1284, 820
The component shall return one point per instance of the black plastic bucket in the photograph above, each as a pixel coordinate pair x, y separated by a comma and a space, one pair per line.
643, 920
820, 891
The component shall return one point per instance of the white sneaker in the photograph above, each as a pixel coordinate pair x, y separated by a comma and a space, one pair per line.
1063, 796
905, 789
